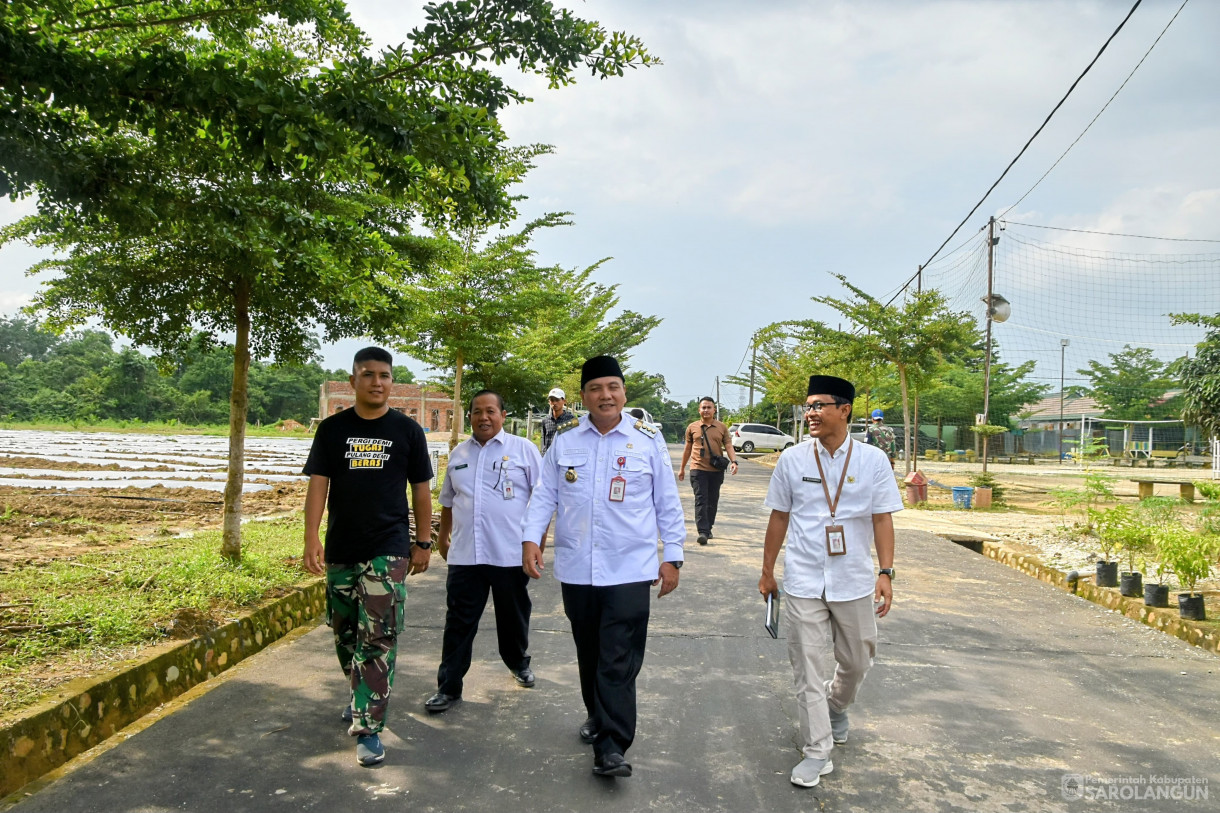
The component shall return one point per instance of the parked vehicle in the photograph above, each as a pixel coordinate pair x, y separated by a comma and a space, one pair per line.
746, 437
859, 432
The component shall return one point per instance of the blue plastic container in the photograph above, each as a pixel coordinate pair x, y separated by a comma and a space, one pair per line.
962, 496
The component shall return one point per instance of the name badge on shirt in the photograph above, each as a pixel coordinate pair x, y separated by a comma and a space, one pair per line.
812, 479
460, 466
836, 542
508, 489
618, 488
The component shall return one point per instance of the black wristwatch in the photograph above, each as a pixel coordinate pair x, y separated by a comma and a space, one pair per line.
677, 565
422, 545
886, 571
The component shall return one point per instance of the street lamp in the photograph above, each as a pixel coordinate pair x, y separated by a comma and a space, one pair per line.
1063, 344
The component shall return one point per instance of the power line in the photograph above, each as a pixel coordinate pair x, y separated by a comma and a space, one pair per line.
1099, 112
1036, 133
1108, 233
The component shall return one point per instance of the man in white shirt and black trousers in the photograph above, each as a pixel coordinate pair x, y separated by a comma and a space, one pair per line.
610, 481
833, 498
487, 487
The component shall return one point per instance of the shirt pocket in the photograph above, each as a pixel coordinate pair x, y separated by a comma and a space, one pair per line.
635, 470
575, 477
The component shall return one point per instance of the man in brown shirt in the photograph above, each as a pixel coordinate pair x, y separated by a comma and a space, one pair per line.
705, 478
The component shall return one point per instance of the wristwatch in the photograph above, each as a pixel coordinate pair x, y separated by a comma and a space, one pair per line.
886, 571
677, 565
422, 545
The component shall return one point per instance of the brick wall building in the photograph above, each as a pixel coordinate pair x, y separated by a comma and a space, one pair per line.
406, 398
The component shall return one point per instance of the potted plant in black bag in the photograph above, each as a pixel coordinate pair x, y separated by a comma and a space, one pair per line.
1107, 526
1188, 554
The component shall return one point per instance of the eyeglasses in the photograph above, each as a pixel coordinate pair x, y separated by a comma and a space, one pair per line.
818, 406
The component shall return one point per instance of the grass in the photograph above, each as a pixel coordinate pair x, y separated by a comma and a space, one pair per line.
88, 607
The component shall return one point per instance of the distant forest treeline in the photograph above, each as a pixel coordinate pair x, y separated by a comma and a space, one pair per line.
81, 377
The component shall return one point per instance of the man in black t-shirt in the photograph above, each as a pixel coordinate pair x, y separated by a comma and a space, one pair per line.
359, 466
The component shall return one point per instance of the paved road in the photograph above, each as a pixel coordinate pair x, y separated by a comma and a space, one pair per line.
990, 688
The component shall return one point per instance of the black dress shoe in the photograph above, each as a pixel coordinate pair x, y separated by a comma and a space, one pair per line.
702, 539
612, 765
588, 731
524, 677
441, 702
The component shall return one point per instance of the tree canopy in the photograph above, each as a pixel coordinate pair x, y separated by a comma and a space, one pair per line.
1133, 385
1200, 375
244, 168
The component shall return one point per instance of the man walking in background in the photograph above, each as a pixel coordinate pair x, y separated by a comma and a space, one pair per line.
359, 466
487, 487
557, 416
882, 436
707, 442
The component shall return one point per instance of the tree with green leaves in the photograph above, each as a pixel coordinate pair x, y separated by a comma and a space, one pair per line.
486, 314
912, 339
1200, 375
1132, 386
243, 169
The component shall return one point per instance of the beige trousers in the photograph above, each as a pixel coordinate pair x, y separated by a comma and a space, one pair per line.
817, 627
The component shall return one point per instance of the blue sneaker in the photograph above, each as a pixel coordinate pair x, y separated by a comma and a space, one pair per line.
369, 750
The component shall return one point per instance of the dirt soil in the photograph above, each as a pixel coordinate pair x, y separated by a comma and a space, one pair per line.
39, 525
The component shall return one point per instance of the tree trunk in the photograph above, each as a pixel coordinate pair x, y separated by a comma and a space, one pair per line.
906, 420
239, 401
457, 401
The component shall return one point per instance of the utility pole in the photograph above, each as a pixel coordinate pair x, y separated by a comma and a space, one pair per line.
753, 362
991, 241
1063, 345
915, 424
718, 392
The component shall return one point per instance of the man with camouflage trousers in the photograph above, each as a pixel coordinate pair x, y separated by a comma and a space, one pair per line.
359, 466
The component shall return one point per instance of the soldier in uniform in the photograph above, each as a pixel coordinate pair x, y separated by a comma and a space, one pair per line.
359, 466
610, 481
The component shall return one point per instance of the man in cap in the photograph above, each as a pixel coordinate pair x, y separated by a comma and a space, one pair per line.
487, 488
558, 416
610, 481
882, 436
832, 498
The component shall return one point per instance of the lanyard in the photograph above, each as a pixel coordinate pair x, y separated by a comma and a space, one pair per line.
817, 457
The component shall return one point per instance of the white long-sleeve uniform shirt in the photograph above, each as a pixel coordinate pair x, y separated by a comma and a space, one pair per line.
487, 487
598, 541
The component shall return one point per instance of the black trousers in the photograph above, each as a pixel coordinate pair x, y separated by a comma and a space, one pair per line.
610, 628
466, 589
706, 485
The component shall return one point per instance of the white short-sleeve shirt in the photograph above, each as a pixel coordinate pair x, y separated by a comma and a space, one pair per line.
796, 488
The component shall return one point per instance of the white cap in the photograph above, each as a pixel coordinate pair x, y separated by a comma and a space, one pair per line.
557, 393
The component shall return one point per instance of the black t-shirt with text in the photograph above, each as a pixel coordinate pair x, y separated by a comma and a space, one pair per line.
369, 464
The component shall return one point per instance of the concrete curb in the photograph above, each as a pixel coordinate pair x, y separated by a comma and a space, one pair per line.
1164, 619
53, 732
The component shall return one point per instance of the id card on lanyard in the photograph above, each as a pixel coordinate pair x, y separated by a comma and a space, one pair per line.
836, 539
618, 485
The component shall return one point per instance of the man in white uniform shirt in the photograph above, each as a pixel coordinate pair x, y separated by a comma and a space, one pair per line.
832, 497
487, 487
610, 481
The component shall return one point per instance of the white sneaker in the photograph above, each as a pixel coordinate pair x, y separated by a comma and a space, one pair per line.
810, 771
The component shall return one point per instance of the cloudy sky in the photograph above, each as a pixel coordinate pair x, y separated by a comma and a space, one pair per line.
784, 141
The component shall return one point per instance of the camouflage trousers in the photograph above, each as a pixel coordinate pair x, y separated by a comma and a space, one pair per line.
365, 606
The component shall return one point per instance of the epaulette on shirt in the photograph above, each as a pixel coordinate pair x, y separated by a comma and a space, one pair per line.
646, 428
566, 425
